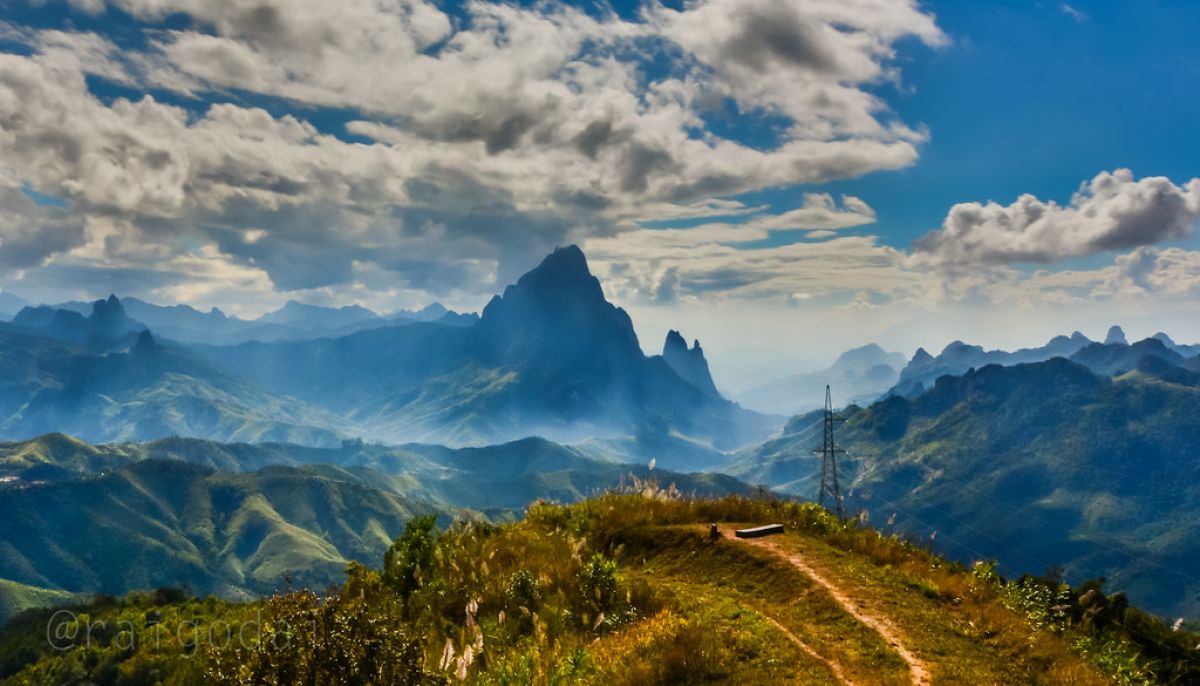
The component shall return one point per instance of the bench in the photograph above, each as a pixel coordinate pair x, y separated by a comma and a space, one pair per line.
759, 531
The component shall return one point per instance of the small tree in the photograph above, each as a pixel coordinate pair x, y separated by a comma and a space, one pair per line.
411, 556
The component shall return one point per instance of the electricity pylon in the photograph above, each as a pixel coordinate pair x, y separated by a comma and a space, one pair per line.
828, 452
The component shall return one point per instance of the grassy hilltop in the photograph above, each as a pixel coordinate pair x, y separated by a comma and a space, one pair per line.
624, 589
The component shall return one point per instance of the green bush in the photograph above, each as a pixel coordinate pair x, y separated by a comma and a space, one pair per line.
598, 584
411, 556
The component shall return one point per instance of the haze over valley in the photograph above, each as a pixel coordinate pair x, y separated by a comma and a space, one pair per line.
626, 343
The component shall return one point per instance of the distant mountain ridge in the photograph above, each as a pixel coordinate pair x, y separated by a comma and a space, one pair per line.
1036, 464
105, 325
860, 374
958, 357
1120, 357
549, 356
1114, 355
142, 390
292, 321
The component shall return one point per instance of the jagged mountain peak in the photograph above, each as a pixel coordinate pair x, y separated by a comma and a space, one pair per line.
433, 310
560, 295
960, 347
1063, 344
108, 307
1115, 336
1164, 338
562, 277
569, 257
867, 356
688, 363
675, 341
145, 345
108, 319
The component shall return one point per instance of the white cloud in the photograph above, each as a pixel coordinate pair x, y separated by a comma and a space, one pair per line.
495, 135
1148, 271
1073, 12
31, 234
713, 261
1111, 212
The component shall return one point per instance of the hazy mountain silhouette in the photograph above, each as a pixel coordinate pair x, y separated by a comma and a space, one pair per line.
305, 316
1118, 358
1183, 349
688, 363
1116, 355
106, 325
550, 356
859, 375
146, 391
10, 304
1115, 336
958, 357
293, 321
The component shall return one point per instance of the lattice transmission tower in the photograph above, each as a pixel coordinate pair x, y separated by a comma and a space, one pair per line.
829, 452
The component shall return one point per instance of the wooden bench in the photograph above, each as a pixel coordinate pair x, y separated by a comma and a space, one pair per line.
759, 531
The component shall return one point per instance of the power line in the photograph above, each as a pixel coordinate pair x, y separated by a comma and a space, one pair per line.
828, 452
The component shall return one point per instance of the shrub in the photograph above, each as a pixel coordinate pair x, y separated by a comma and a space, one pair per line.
598, 584
411, 556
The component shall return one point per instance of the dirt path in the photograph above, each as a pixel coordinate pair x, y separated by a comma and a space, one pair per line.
833, 666
918, 669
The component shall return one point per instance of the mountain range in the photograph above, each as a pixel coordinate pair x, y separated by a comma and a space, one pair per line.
1037, 465
106, 325
1074, 454
958, 357
236, 519
148, 391
550, 356
860, 374
185, 324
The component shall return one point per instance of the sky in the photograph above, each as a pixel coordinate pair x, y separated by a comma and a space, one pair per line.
781, 179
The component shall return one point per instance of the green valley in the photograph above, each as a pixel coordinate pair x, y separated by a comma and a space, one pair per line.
1044, 465
623, 589
240, 520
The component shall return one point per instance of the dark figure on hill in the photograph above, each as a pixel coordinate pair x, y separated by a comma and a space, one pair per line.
713, 533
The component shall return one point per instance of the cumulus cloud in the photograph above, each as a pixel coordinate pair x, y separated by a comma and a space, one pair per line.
1172, 272
819, 211
1111, 212
490, 136
31, 233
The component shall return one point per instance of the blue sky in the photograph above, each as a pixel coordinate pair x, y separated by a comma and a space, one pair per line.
876, 164
1029, 99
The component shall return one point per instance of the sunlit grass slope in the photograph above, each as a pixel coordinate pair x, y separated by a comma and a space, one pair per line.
629, 589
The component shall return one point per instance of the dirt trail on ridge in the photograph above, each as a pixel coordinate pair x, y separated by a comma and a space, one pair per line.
916, 667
